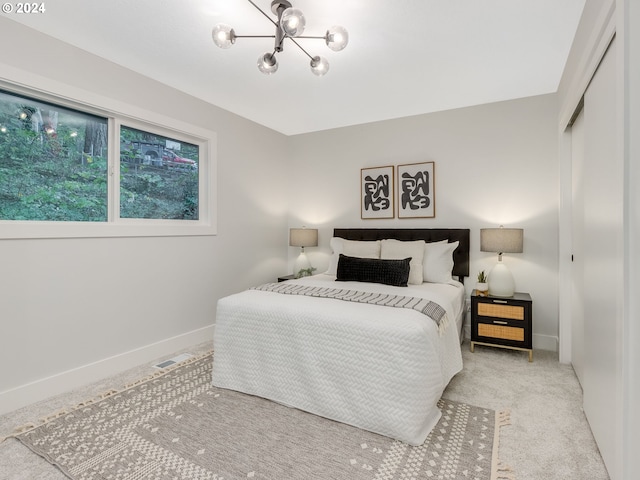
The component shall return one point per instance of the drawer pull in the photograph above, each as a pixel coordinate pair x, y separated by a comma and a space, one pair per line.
500, 323
500, 301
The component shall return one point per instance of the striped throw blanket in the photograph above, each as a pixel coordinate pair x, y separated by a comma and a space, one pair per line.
422, 305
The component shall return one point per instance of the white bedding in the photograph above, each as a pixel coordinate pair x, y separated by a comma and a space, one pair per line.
379, 368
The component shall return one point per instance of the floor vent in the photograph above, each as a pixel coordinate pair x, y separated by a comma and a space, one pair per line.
172, 361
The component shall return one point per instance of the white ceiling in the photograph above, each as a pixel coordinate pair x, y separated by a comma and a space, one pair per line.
405, 57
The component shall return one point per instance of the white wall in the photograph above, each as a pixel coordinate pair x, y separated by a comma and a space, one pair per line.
68, 303
494, 164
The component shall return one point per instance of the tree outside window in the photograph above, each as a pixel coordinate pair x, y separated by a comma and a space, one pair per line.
54, 166
53, 162
158, 176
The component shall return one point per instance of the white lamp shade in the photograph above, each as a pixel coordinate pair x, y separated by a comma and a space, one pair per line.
303, 237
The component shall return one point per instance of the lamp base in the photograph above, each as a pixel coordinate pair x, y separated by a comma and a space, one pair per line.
501, 283
301, 263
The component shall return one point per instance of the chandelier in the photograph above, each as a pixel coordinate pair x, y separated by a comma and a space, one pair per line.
290, 25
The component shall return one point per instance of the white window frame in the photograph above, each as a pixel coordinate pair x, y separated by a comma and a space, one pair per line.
115, 226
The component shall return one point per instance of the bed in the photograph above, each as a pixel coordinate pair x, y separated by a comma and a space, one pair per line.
308, 344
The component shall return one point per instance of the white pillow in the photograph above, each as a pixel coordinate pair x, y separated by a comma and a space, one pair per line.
438, 261
351, 248
399, 250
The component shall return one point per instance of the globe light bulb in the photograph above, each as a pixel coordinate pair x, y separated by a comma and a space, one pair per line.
267, 63
337, 38
292, 22
319, 66
223, 35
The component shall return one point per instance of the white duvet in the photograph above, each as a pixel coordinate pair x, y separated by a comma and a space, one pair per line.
379, 368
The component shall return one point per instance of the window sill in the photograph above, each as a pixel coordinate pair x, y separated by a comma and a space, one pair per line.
24, 230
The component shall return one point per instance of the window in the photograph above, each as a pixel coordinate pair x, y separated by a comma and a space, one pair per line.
158, 176
71, 171
53, 162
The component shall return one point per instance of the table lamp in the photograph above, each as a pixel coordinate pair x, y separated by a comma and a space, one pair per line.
501, 240
302, 237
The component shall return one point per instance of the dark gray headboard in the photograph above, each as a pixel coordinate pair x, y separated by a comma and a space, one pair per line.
460, 254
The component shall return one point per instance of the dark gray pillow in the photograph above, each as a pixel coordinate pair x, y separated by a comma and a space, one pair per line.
373, 270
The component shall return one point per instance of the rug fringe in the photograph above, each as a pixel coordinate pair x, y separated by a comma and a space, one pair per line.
54, 415
19, 430
500, 470
102, 396
503, 418
503, 472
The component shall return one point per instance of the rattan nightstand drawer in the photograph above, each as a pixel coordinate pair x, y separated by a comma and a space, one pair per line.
514, 312
500, 331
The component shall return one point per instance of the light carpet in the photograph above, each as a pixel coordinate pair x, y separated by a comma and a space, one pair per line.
177, 425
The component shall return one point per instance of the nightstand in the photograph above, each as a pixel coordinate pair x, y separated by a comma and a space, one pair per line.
286, 277
502, 322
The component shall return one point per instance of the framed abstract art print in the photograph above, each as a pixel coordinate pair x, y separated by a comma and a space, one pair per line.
416, 194
376, 192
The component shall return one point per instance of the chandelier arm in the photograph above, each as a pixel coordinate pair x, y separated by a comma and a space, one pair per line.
317, 38
298, 45
260, 10
255, 36
273, 54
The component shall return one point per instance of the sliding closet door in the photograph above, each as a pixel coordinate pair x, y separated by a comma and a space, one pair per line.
577, 246
603, 256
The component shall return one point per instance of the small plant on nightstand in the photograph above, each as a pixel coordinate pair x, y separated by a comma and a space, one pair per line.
305, 272
482, 287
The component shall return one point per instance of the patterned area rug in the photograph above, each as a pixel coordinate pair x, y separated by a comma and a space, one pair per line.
176, 425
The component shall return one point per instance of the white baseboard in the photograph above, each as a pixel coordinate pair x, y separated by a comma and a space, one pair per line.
38, 390
545, 342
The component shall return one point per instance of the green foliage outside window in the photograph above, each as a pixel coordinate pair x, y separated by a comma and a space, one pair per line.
158, 176
45, 173
54, 167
